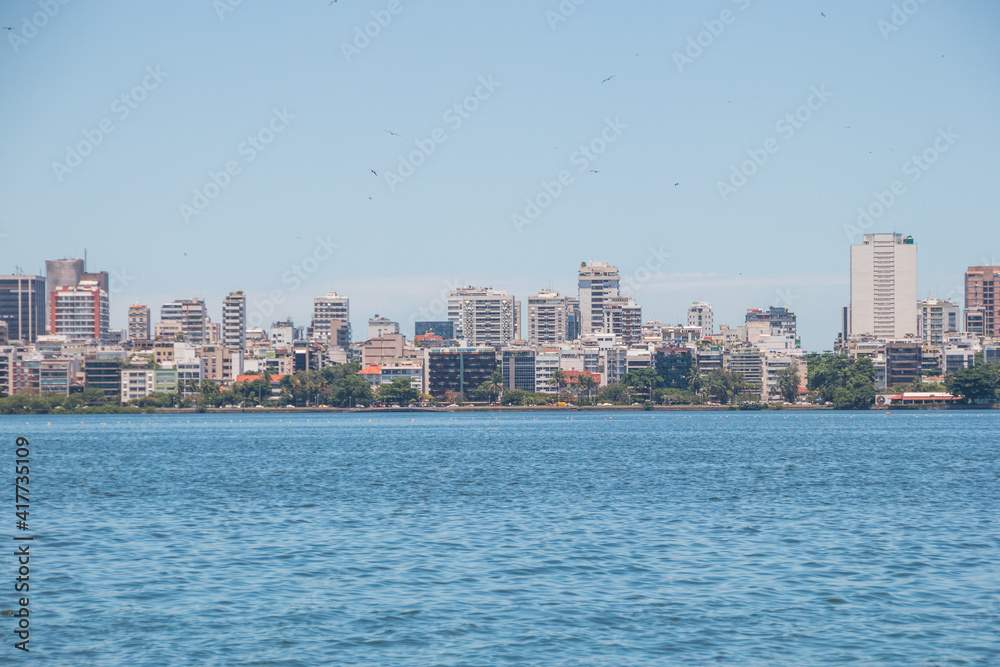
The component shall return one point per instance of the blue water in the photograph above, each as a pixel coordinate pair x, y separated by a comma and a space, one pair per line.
521, 539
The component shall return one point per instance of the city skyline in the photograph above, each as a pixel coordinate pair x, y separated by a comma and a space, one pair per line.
69, 271
741, 189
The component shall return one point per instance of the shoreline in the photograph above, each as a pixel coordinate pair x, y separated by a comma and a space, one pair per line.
533, 408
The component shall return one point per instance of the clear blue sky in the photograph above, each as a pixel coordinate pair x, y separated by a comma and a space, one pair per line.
777, 239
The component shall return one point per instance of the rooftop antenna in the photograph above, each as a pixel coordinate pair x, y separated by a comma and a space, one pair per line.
84, 260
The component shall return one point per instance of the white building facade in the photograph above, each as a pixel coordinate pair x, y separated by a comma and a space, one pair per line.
234, 321
548, 313
700, 315
597, 283
484, 317
884, 287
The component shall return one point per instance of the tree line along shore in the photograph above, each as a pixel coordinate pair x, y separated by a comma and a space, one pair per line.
834, 381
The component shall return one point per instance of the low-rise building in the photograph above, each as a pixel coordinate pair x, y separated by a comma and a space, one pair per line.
674, 365
748, 362
954, 358
136, 383
391, 369
222, 363
8, 354
518, 368
902, 362
379, 326
936, 318
546, 363
104, 372
773, 364
459, 370
376, 350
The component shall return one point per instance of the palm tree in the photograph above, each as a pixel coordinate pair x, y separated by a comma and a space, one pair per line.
494, 383
558, 379
693, 379
585, 383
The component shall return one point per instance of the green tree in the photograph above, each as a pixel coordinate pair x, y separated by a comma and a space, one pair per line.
643, 380
333, 373
673, 396
493, 385
93, 396
260, 389
694, 379
788, 383
584, 384
616, 394
977, 384
398, 392
725, 386
352, 391
517, 397
827, 372
558, 380
861, 383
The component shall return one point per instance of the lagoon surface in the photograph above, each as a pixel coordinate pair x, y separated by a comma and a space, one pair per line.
640, 538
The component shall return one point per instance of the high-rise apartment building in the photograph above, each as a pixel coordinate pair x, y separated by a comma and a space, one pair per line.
884, 286
700, 315
63, 272
22, 306
192, 317
484, 317
982, 290
597, 283
79, 312
331, 321
549, 315
70, 273
138, 322
234, 321
623, 317
936, 318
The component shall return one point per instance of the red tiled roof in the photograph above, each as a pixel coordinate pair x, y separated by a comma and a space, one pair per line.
571, 375
251, 378
374, 369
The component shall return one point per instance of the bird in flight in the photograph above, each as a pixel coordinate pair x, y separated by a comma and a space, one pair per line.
608, 79
392, 133
594, 171
676, 184
6, 28
822, 14
373, 171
